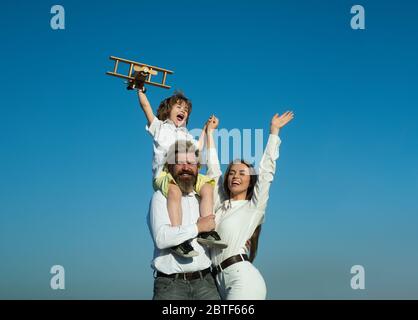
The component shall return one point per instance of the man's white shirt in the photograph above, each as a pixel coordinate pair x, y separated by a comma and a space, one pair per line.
165, 236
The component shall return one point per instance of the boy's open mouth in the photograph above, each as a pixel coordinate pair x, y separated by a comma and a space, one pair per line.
180, 117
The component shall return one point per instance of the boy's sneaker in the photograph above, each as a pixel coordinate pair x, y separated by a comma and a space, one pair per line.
184, 250
211, 239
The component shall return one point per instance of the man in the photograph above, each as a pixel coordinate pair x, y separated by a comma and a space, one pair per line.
178, 277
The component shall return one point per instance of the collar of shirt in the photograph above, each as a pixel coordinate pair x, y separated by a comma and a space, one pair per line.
229, 204
182, 127
191, 194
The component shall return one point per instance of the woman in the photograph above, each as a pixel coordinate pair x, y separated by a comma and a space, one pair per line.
240, 204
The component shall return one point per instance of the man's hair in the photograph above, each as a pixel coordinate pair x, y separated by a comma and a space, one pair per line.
180, 146
163, 111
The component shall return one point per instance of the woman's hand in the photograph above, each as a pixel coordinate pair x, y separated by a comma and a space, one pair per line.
212, 123
279, 122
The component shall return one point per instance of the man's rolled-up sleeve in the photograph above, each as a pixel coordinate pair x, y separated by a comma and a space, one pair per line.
164, 235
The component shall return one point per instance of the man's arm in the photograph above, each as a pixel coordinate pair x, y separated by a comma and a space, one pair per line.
146, 106
164, 235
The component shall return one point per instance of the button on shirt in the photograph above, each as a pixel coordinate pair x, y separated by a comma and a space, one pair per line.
165, 236
164, 134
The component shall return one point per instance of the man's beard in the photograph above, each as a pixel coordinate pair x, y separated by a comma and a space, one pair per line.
186, 182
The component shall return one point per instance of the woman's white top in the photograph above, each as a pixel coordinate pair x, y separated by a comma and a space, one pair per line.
165, 134
236, 221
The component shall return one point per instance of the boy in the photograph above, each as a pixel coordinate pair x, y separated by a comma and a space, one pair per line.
168, 126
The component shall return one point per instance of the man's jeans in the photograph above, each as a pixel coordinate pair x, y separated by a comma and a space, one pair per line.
180, 289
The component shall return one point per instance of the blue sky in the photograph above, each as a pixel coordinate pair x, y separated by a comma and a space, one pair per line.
76, 161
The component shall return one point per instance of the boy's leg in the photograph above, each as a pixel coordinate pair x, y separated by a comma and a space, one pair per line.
206, 200
165, 183
174, 204
205, 189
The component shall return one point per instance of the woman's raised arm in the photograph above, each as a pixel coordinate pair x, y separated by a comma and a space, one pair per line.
267, 167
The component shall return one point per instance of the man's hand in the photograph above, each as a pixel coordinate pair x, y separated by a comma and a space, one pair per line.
206, 224
279, 122
212, 123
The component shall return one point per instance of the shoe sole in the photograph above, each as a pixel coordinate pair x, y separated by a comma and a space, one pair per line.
213, 244
189, 255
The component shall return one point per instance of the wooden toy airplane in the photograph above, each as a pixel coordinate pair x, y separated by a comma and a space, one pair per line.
139, 74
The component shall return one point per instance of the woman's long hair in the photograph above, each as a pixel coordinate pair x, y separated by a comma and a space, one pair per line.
250, 191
